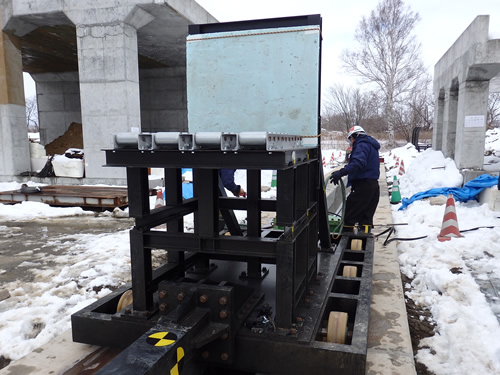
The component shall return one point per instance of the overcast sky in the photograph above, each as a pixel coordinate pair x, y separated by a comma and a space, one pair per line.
442, 22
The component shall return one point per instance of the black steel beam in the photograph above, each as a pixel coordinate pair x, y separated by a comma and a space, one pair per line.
173, 197
138, 192
250, 159
167, 214
306, 20
142, 272
239, 246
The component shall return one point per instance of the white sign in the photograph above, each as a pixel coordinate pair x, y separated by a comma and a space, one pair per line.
474, 121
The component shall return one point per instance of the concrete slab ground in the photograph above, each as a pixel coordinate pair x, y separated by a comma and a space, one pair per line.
389, 343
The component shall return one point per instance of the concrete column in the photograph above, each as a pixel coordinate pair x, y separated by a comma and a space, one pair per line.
58, 98
163, 99
14, 152
449, 123
109, 90
471, 124
437, 130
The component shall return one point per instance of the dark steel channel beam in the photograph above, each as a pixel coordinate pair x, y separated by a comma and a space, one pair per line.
173, 197
142, 272
306, 20
285, 193
167, 214
252, 159
239, 246
242, 204
206, 189
138, 192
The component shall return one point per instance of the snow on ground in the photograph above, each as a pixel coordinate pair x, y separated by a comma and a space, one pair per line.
448, 278
38, 311
454, 279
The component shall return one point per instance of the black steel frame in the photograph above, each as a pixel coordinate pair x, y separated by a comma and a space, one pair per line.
293, 250
307, 284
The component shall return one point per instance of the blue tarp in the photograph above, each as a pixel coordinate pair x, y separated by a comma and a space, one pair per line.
187, 189
470, 190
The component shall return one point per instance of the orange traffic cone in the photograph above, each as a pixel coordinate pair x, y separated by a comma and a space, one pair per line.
402, 168
159, 199
449, 227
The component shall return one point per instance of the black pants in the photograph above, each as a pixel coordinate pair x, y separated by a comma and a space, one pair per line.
361, 203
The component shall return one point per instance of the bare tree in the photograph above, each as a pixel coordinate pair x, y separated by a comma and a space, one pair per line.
493, 115
416, 111
32, 114
388, 55
349, 105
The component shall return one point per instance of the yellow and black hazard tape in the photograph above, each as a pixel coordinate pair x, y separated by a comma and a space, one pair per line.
161, 339
165, 339
176, 370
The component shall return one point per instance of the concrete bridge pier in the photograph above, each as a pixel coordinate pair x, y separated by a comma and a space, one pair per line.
471, 124
461, 88
15, 158
112, 65
450, 122
109, 79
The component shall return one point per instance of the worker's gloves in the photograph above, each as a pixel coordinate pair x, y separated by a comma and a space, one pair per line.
337, 175
239, 192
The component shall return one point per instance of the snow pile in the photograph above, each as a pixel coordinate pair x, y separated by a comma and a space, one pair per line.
62, 284
36, 210
451, 279
431, 170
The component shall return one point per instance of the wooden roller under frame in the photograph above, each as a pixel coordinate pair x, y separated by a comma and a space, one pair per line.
356, 244
337, 327
125, 300
350, 271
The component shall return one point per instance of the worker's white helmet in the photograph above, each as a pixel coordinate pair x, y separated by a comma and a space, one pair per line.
356, 129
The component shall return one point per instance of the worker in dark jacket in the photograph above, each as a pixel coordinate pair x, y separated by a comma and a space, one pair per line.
362, 171
227, 177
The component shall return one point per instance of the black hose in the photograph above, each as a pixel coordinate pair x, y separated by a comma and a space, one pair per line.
391, 230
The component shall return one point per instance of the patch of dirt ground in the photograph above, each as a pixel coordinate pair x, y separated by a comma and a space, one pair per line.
420, 323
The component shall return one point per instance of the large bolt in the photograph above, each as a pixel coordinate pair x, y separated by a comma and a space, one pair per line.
180, 296
205, 355
293, 331
163, 307
224, 336
224, 356
299, 319
223, 300
223, 314
162, 294
204, 298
